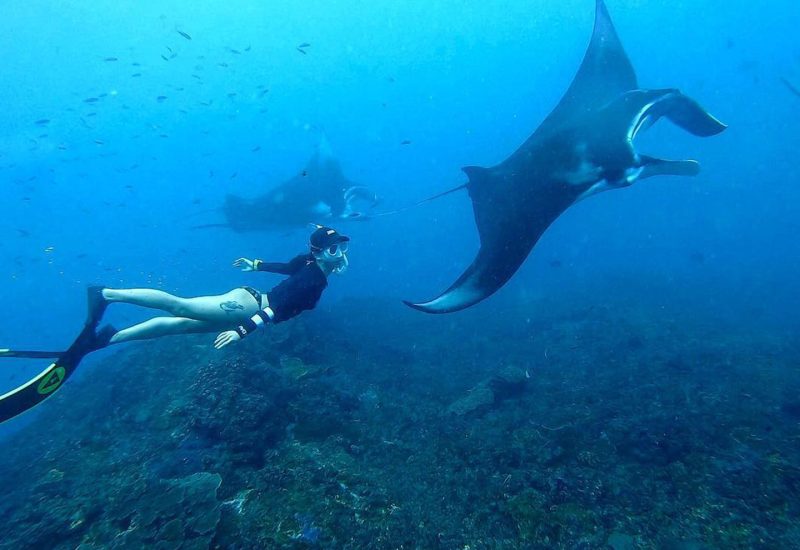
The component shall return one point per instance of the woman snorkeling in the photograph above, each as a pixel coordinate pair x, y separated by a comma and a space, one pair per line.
236, 313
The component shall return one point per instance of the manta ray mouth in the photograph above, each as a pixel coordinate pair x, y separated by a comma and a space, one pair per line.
642, 121
648, 106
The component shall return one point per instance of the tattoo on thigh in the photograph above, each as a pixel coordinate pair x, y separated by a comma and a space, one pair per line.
230, 306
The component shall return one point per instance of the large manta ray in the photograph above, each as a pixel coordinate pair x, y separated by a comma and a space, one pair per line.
583, 147
318, 193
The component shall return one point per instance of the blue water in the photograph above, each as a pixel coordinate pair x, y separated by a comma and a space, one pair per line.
466, 86
108, 190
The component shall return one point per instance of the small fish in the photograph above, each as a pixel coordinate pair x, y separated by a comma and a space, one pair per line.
136, 64
91, 114
234, 51
304, 45
136, 75
198, 77
222, 64
183, 34
232, 94
43, 121
110, 59
163, 135
405, 142
91, 100
161, 98
263, 92
49, 249
255, 149
302, 51
791, 87
99, 142
164, 57
206, 103
233, 176
62, 147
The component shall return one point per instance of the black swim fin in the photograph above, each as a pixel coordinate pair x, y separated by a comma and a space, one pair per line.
103, 337
96, 305
44, 384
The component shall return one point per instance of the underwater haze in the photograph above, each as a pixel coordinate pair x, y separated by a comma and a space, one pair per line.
634, 385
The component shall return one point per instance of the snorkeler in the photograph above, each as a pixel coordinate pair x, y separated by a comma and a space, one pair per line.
236, 313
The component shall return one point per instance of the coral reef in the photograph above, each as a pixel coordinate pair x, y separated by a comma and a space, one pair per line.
588, 426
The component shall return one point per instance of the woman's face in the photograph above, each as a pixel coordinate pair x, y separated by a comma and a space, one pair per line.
334, 258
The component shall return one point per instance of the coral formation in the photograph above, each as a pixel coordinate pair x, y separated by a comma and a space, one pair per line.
594, 427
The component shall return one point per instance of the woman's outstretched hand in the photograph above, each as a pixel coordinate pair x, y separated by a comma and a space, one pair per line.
245, 264
226, 338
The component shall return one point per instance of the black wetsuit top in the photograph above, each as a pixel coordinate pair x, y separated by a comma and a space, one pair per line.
301, 291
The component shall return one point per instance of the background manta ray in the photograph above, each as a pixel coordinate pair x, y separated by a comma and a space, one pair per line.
583, 147
318, 193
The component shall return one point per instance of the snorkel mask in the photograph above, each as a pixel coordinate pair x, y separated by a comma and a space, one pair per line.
336, 254
330, 247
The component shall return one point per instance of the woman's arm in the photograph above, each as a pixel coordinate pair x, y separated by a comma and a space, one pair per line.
281, 268
255, 322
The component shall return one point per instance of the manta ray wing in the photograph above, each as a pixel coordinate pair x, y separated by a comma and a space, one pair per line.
604, 74
497, 216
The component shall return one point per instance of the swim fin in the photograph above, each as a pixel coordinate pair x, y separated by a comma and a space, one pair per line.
103, 337
44, 384
96, 305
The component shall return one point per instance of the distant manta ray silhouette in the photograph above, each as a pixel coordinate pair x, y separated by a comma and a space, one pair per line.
319, 192
583, 147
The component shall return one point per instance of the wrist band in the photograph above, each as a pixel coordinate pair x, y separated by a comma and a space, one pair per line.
259, 318
246, 328
257, 265
255, 322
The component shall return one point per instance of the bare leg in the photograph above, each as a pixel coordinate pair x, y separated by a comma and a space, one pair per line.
231, 307
165, 326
